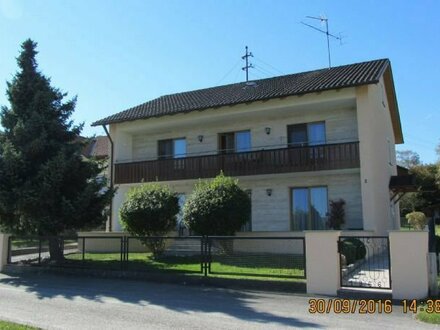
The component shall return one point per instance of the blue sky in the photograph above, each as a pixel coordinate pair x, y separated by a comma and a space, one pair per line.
117, 54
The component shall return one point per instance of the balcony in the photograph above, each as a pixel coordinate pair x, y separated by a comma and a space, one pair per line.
268, 161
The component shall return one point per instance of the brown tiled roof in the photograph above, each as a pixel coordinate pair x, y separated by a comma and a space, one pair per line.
97, 147
294, 84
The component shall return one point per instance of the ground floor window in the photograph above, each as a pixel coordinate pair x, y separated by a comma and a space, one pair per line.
309, 207
248, 225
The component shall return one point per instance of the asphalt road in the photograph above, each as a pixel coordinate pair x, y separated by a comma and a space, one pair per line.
65, 302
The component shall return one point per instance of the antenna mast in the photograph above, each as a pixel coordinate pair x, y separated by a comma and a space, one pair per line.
324, 19
248, 65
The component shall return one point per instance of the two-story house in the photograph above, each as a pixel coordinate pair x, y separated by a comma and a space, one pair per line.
295, 142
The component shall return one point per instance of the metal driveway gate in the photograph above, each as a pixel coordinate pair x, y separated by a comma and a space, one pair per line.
364, 262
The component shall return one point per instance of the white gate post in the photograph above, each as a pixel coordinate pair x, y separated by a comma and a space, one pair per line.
409, 264
432, 263
322, 262
4, 238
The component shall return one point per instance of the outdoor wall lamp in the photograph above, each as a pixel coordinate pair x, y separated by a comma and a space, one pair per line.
200, 138
269, 192
267, 129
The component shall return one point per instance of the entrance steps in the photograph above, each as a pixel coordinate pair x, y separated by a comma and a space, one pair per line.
184, 247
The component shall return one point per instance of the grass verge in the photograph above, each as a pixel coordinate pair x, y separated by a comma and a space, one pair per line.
433, 318
4, 325
424, 316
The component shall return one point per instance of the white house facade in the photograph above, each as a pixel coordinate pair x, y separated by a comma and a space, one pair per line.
294, 142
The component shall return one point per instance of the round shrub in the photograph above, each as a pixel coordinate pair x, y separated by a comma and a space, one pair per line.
349, 251
417, 220
353, 249
150, 210
217, 207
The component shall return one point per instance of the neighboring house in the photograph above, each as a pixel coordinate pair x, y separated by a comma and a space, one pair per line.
97, 147
294, 142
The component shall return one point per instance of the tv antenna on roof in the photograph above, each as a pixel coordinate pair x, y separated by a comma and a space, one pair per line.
324, 19
248, 65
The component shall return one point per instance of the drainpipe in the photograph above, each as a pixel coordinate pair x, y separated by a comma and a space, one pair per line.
111, 177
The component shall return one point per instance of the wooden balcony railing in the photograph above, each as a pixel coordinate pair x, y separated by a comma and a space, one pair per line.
269, 161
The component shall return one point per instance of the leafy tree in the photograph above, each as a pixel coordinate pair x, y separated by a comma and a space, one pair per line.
150, 211
46, 188
428, 194
427, 177
408, 158
217, 207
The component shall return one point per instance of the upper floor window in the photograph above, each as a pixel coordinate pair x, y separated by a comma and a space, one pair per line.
310, 134
235, 141
172, 148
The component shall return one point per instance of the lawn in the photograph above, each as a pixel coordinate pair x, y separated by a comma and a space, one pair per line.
23, 243
18, 243
4, 325
406, 227
269, 267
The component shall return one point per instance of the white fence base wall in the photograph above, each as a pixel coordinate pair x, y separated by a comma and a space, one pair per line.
409, 264
94, 244
322, 262
3, 250
412, 267
411, 270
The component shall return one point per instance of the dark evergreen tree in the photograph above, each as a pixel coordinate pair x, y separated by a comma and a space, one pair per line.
46, 186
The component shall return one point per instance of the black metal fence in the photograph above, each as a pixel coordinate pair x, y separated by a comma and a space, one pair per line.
365, 261
256, 256
273, 258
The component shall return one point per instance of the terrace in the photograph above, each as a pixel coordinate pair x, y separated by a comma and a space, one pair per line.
255, 162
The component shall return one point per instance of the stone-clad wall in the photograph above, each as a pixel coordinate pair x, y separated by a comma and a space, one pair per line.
340, 127
272, 213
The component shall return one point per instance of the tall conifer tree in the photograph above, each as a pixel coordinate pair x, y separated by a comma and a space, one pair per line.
46, 186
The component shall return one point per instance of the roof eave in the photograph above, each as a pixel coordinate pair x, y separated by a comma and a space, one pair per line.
393, 105
106, 121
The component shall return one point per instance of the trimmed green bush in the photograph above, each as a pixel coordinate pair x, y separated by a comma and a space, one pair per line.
150, 210
353, 249
417, 220
217, 207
